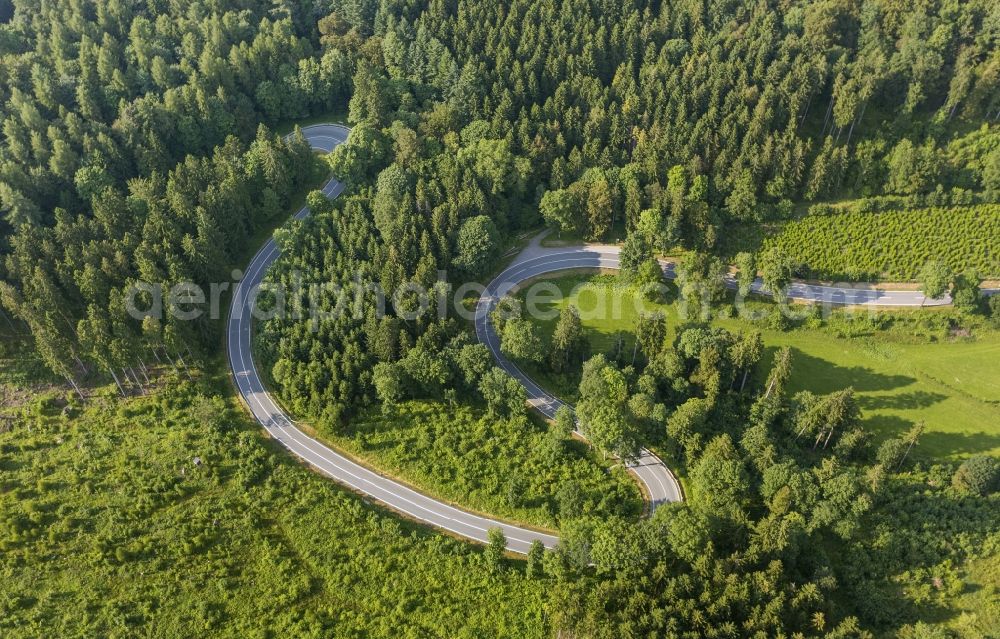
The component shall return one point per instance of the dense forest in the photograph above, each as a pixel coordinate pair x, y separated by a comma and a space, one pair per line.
139, 146
131, 153
670, 138
622, 127
679, 118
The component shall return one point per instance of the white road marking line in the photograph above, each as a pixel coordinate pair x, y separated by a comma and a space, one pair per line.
276, 422
541, 265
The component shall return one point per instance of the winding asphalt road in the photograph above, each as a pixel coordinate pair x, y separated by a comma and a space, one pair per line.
660, 484
265, 410
606, 256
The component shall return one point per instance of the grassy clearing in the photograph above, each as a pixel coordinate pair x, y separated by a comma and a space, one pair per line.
110, 527
608, 313
503, 468
953, 384
900, 384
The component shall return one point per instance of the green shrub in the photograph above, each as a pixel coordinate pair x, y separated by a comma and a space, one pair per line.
977, 475
777, 320
994, 308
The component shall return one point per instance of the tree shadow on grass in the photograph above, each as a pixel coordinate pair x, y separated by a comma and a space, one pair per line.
885, 426
940, 443
823, 376
933, 446
901, 401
